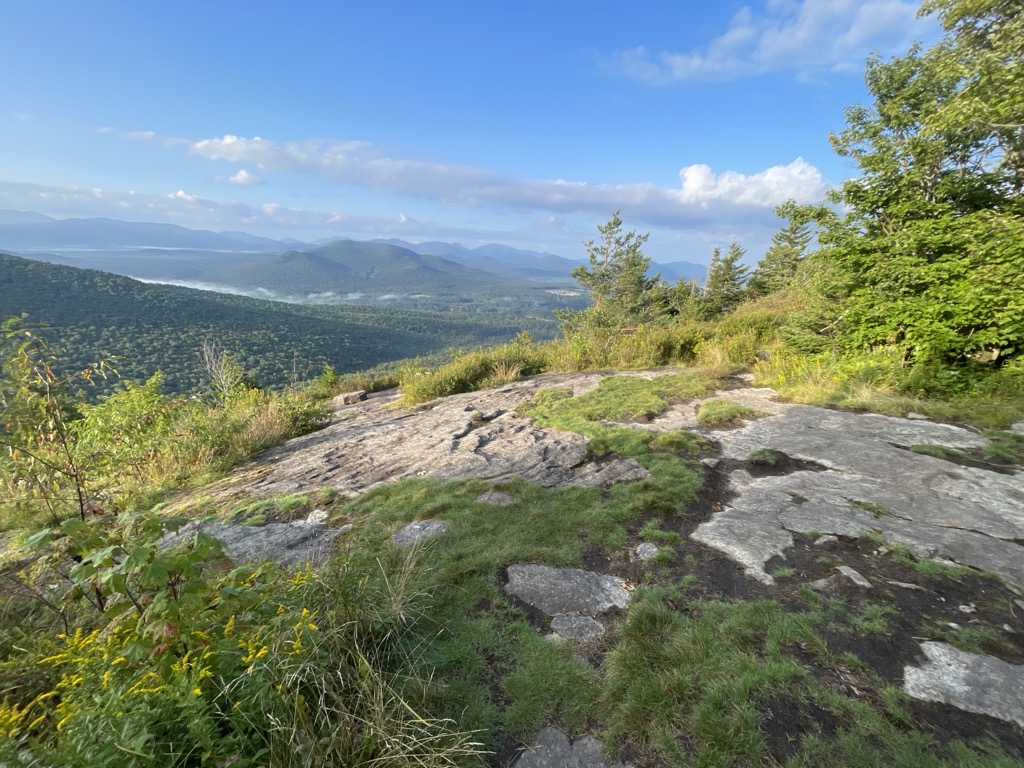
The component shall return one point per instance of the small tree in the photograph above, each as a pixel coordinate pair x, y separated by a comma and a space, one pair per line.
224, 372
616, 277
680, 300
724, 288
41, 467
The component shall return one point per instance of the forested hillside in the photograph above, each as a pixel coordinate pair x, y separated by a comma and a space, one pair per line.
156, 327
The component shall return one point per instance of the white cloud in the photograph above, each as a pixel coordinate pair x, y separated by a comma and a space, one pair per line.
131, 135
242, 178
702, 193
806, 37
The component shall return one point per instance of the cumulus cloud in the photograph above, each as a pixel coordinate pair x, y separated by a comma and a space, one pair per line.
242, 178
806, 36
702, 193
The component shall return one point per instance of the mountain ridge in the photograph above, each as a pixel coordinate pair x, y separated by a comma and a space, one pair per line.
104, 243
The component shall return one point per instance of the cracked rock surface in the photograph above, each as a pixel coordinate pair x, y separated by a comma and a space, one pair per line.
873, 484
968, 681
475, 435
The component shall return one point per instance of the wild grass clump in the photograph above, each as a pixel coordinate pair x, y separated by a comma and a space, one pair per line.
717, 412
702, 675
742, 336
473, 371
633, 347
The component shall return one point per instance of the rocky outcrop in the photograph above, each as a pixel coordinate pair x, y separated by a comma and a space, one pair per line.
297, 543
874, 484
844, 476
478, 435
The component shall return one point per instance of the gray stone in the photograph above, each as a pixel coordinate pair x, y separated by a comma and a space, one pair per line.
418, 531
317, 516
496, 497
826, 539
828, 584
917, 416
349, 398
968, 681
855, 576
286, 543
578, 629
557, 591
643, 552
552, 749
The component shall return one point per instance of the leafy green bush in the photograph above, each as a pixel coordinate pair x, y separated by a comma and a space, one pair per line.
64, 456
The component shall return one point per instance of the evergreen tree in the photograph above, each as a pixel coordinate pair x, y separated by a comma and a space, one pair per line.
776, 270
724, 288
616, 277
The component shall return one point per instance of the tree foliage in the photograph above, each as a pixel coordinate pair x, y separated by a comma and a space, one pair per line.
616, 276
724, 289
929, 255
789, 245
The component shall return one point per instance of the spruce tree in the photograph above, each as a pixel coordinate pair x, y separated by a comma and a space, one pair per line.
724, 288
776, 270
616, 276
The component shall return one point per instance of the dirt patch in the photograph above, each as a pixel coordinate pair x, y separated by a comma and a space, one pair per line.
769, 463
785, 722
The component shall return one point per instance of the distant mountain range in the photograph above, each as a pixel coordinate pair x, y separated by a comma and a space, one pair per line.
238, 261
374, 268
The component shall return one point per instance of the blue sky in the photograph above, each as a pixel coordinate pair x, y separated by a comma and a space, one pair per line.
524, 123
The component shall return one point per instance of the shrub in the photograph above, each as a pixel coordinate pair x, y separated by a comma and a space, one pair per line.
194, 663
